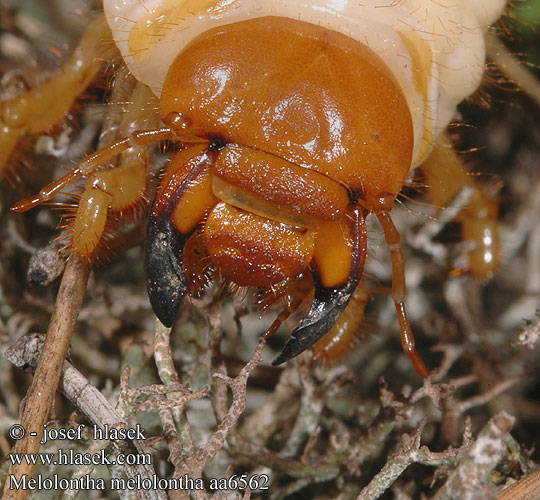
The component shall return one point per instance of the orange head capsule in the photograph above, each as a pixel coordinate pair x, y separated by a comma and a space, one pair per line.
307, 132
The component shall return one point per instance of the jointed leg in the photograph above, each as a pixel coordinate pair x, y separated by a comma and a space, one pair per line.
392, 238
92, 162
445, 176
119, 189
39, 109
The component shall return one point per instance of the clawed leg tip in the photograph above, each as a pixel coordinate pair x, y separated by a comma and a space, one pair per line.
418, 364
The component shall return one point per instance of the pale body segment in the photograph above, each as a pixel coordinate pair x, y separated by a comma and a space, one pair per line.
434, 49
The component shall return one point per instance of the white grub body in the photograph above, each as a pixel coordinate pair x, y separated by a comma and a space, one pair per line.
434, 48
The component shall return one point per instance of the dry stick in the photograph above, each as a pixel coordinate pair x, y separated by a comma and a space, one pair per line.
40, 396
527, 488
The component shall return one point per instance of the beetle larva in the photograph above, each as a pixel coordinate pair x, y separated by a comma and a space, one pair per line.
293, 122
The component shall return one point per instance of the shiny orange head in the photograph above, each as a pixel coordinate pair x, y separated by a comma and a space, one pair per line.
304, 132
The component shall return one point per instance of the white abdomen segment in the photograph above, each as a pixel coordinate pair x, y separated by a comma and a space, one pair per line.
434, 48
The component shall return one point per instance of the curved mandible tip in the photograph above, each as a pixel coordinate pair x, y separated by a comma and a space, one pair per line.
326, 308
166, 280
328, 303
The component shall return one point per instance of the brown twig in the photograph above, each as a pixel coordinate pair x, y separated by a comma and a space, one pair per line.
527, 488
40, 396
